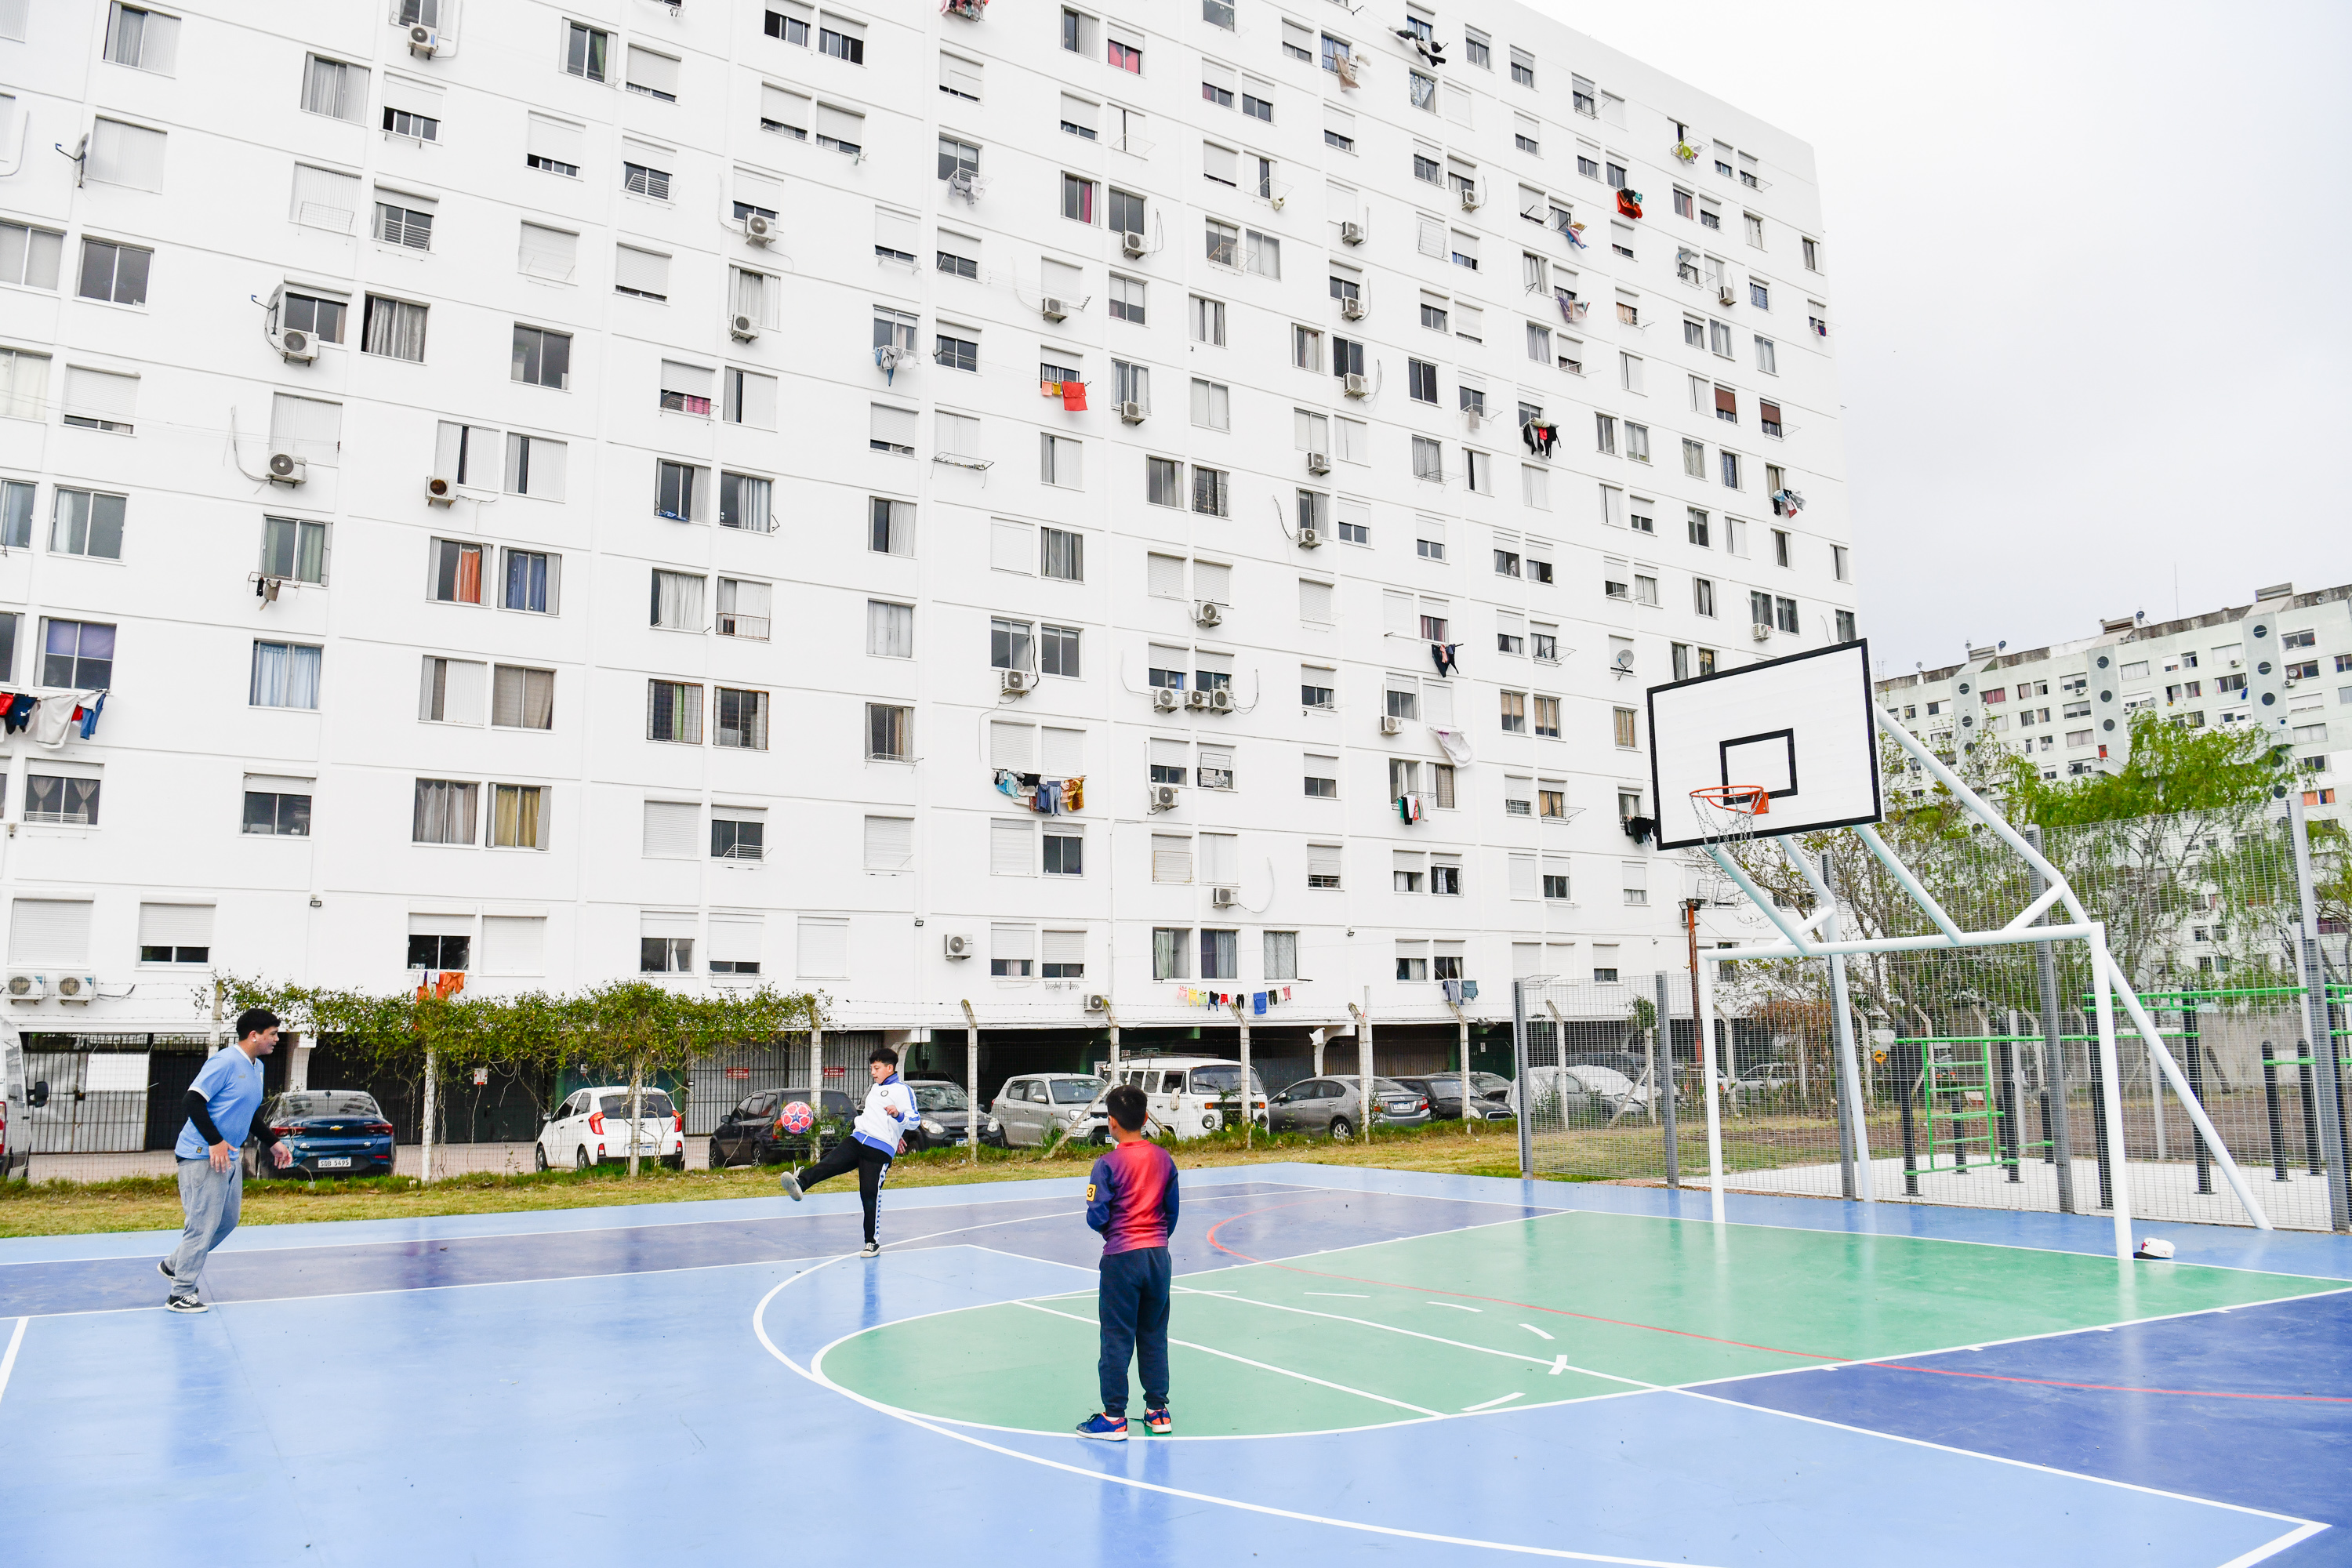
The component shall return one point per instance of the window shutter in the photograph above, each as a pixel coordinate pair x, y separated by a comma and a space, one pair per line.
1314, 601
1726, 401
959, 75
440, 925
840, 124
1432, 235
665, 923
890, 842
1398, 615
646, 272
514, 944
325, 199
1219, 163
1165, 576
656, 72
898, 231
1213, 580
175, 925
1012, 848
1017, 945
1064, 753
758, 408
549, 252
1171, 857
691, 379
1323, 860
789, 109
1458, 103
673, 830
1012, 547
1065, 947
825, 949
557, 140
1523, 877
308, 426
123, 155
895, 426
1077, 111
735, 939
1769, 412
101, 393
1013, 746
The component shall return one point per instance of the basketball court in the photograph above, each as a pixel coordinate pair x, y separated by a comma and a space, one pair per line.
1436, 1369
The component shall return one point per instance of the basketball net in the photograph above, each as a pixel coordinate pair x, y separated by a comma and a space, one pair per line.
1726, 812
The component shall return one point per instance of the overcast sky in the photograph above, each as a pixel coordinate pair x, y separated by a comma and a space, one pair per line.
2090, 279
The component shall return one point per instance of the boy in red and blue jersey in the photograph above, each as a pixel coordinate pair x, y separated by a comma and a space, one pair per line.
1131, 1200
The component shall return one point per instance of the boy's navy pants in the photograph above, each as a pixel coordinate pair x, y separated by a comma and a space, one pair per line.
1132, 1304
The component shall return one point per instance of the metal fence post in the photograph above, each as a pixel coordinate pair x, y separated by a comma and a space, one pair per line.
2055, 1127
425, 1137
1662, 1087
1706, 1072
2326, 1054
972, 1086
1249, 1111
1526, 1091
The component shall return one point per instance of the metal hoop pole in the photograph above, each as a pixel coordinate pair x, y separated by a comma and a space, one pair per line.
2101, 974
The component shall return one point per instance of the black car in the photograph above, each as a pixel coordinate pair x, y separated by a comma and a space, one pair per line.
942, 1114
329, 1132
1490, 1095
749, 1136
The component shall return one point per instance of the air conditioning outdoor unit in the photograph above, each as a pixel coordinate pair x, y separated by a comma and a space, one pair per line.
1724, 296
1318, 463
1196, 700
286, 468
1207, 612
1471, 200
296, 345
1130, 245
958, 944
1356, 385
440, 492
743, 329
1052, 309
423, 40
1225, 898
1167, 699
1308, 539
1761, 631
759, 228
1391, 725
76, 988
1164, 797
24, 985
1097, 1003
1351, 233
1353, 309
1130, 413
1221, 701
1019, 681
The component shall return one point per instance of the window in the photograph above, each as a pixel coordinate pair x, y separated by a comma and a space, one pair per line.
958, 157
278, 808
1208, 318
889, 732
1428, 461
114, 273
445, 813
1812, 253
284, 675
841, 130
842, 38
1211, 491
739, 719
1604, 433
31, 255
1061, 461
1622, 721
1077, 198
334, 88
87, 522
1420, 380
1730, 469
1548, 716
394, 328
674, 709
1523, 72
148, 40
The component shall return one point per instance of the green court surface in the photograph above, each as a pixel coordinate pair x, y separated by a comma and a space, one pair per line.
1538, 1311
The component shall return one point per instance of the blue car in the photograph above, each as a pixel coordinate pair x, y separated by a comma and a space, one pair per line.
328, 1132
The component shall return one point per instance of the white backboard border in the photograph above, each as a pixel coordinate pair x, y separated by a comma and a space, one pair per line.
1758, 745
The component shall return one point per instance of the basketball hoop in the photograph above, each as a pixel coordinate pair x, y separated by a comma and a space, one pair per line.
1726, 812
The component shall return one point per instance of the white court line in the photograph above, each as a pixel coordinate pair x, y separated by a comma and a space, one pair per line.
1262, 1366
1490, 1403
1536, 1332
8, 1361
1347, 1295
1455, 1305
760, 1328
2265, 1552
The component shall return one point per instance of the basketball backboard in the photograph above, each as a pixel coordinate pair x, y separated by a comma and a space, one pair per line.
1801, 727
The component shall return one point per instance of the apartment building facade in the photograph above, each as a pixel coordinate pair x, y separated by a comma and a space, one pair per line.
993, 504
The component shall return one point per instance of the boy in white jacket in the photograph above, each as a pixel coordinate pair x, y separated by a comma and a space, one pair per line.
875, 1139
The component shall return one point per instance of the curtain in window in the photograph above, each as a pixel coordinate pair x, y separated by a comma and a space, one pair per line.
678, 601
1168, 953
284, 675
889, 629
743, 502
674, 712
445, 811
526, 581
524, 698
1218, 959
394, 327
322, 89
514, 811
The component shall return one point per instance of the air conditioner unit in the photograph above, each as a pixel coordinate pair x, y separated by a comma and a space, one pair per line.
1351, 233
1308, 539
1130, 245
1097, 1003
1164, 797
296, 345
1220, 700
1724, 296
1391, 725
76, 988
1225, 898
1318, 463
1130, 413
1356, 385
423, 40
24, 985
958, 944
1207, 612
743, 329
1275, 202
440, 492
286, 468
1018, 681
1167, 699
759, 228
1761, 631
1052, 309
1471, 200
1197, 701
1353, 309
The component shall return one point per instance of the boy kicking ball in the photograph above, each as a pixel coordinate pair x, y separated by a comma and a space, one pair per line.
1131, 1200
874, 1141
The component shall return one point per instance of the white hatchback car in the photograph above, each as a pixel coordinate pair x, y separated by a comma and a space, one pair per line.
592, 1126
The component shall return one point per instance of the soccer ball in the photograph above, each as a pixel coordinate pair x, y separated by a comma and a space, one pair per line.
796, 1118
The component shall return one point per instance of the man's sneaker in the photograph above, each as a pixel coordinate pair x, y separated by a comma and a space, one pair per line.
1159, 1423
185, 1304
163, 1267
1109, 1428
871, 1249
791, 1182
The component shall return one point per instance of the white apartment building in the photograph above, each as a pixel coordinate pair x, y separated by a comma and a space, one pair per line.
2193, 669
571, 491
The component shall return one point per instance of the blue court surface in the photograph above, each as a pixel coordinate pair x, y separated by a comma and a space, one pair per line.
1416, 1368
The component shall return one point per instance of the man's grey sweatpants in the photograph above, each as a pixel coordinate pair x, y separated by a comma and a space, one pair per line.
213, 1200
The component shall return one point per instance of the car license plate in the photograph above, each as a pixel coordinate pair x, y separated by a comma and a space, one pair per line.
334, 1162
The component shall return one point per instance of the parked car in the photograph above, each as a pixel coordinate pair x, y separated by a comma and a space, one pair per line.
1585, 1092
327, 1132
1332, 1105
1761, 1082
1030, 1108
1631, 1064
592, 1126
942, 1114
749, 1136
1490, 1096
1188, 1096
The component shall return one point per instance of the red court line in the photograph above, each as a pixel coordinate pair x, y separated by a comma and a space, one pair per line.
1742, 1344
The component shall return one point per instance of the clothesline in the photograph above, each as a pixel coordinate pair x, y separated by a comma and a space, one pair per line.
1045, 796
51, 717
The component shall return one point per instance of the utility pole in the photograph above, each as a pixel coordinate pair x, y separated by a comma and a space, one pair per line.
972, 1086
1462, 1025
1249, 1111
1365, 1103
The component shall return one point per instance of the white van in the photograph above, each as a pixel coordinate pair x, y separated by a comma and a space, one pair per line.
1189, 1096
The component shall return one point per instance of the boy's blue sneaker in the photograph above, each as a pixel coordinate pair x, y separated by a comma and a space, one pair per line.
1110, 1429
1159, 1423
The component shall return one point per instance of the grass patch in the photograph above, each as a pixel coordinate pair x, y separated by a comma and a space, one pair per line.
152, 1203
